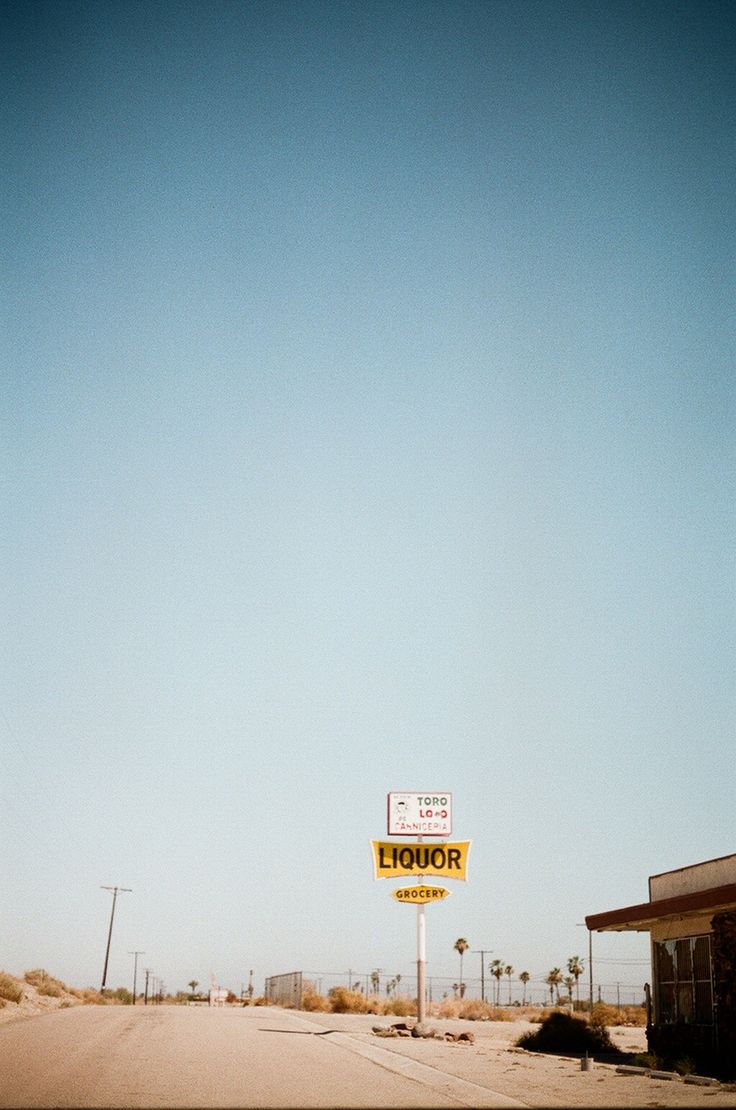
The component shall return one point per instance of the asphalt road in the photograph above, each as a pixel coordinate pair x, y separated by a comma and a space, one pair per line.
178, 1056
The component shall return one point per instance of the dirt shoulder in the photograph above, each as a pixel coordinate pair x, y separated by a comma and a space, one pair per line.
34, 1000
493, 1062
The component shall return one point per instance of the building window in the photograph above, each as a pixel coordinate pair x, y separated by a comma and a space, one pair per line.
683, 981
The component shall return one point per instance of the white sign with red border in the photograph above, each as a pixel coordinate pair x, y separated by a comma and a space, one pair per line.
425, 813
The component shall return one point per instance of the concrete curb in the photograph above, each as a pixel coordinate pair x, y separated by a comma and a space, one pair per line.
694, 1080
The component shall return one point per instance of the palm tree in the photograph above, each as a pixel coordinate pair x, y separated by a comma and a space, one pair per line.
496, 969
524, 978
193, 983
375, 981
461, 946
508, 970
576, 967
569, 983
553, 980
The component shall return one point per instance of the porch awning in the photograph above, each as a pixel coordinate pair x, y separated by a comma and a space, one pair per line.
641, 918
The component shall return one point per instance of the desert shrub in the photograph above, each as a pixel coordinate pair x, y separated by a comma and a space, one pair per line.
400, 1006
10, 989
91, 997
473, 1009
50, 988
313, 1002
44, 983
261, 1001
646, 1060
633, 1015
604, 1014
562, 1033
37, 975
343, 1001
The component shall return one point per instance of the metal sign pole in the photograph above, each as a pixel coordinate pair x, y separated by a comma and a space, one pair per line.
421, 964
421, 957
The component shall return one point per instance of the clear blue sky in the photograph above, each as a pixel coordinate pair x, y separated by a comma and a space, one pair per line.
368, 426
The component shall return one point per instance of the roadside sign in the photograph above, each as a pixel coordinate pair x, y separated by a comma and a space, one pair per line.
420, 895
420, 814
392, 861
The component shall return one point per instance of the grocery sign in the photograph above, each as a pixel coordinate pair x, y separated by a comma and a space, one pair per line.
420, 895
415, 814
391, 860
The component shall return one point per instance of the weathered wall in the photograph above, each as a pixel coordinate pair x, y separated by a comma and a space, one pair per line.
285, 990
724, 974
688, 880
693, 926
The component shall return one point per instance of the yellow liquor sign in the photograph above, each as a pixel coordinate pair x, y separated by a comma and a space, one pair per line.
392, 860
420, 895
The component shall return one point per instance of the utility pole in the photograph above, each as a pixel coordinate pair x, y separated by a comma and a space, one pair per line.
590, 968
148, 971
115, 890
483, 953
135, 969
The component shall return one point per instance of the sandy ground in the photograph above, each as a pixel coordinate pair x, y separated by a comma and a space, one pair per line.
494, 1062
491, 1062
32, 1003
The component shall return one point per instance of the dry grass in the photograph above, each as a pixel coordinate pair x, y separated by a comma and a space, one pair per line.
473, 1009
10, 989
90, 997
313, 1002
603, 1014
44, 983
400, 1006
340, 1000
470, 1009
343, 1001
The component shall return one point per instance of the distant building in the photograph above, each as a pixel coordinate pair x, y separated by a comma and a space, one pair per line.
691, 918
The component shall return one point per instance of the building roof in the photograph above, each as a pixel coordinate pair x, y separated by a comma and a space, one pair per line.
641, 918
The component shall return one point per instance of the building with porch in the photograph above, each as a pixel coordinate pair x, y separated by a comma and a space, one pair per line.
691, 919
